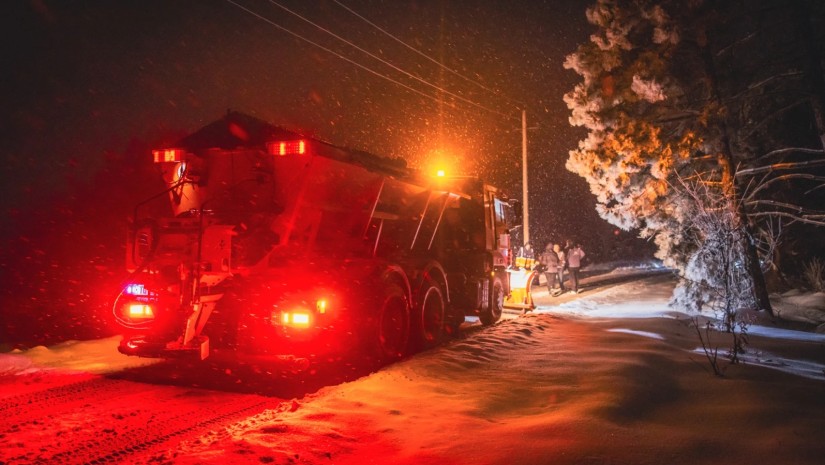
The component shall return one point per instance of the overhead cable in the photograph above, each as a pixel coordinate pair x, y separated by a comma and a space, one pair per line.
433, 60
376, 57
365, 68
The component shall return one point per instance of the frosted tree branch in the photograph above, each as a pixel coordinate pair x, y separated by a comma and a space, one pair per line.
780, 166
817, 220
786, 177
791, 150
764, 82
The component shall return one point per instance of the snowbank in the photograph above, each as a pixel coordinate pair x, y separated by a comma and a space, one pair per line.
94, 357
795, 305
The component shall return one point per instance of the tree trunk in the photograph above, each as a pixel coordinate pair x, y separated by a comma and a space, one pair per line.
750, 253
726, 162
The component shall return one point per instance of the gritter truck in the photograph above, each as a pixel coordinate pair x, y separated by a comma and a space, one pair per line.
268, 243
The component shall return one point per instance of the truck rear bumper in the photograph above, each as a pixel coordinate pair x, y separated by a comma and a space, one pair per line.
141, 346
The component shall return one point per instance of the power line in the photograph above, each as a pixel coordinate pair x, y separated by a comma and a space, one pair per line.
365, 68
447, 68
376, 57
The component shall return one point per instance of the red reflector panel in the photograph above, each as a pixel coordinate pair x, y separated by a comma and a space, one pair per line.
283, 148
168, 155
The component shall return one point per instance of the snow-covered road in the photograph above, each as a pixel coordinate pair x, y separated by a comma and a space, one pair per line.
607, 376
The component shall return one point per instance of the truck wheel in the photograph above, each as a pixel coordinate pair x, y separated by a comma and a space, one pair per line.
430, 316
496, 306
391, 330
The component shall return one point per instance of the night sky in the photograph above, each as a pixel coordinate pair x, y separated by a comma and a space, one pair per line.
86, 78
90, 87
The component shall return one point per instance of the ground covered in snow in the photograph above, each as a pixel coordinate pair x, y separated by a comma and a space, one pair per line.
608, 376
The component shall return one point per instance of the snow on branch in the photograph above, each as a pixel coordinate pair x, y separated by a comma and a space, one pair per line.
818, 220
780, 166
791, 150
799, 212
737, 42
774, 203
685, 115
766, 81
648, 90
786, 177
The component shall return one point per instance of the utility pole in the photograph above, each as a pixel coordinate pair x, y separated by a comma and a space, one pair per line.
525, 209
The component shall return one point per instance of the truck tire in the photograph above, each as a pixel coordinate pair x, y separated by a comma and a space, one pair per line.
390, 331
495, 308
430, 313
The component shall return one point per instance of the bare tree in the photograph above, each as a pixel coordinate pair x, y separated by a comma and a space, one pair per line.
764, 58
716, 275
716, 279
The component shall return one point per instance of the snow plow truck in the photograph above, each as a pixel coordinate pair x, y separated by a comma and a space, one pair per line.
268, 243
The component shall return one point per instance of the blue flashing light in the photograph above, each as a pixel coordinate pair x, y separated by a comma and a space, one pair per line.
136, 289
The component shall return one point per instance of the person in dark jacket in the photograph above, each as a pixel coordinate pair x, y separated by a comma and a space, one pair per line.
527, 251
574, 263
550, 260
562, 264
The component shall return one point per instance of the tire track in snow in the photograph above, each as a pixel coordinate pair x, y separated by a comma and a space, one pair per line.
35, 406
112, 421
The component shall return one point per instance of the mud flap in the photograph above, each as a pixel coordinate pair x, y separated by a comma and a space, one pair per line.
197, 320
191, 324
204, 346
191, 338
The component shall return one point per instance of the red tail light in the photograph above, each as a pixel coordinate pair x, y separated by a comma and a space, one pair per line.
168, 155
141, 312
134, 314
303, 313
136, 306
283, 148
296, 319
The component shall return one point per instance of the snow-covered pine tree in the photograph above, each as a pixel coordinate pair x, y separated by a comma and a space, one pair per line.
650, 101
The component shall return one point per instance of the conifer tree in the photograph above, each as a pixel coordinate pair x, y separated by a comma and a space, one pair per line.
727, 94
650, 101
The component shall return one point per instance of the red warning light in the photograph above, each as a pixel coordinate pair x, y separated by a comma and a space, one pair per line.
140, 311
283, 148
168, 155
297, 319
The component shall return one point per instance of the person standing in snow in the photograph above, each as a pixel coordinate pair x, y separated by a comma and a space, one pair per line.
527, 251
550, 260
574, 263
562, 263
